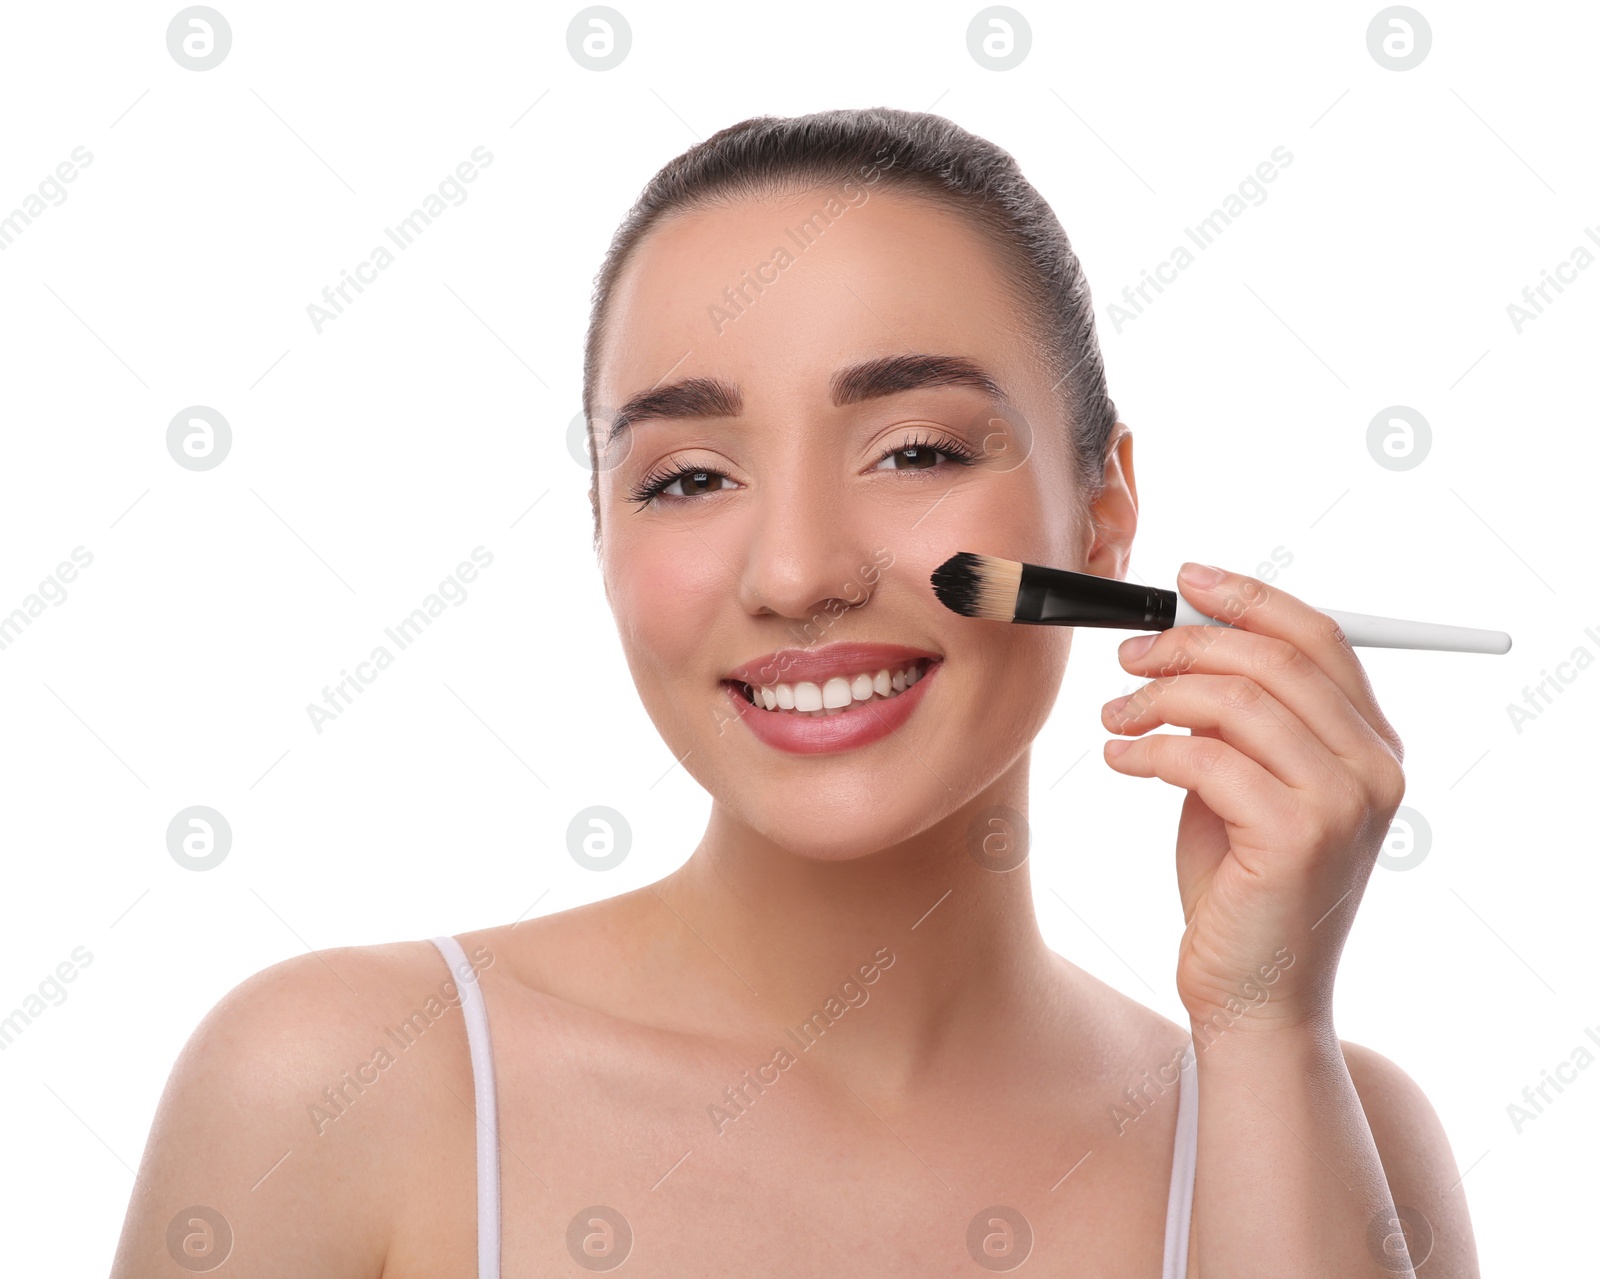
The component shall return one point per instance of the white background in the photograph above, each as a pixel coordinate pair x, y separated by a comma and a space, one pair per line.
431, 418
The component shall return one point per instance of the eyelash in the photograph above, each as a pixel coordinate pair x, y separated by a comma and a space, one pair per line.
649, 489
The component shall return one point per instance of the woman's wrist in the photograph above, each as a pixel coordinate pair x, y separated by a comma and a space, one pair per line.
1299, 1042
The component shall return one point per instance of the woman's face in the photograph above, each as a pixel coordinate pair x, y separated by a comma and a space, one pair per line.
802, 526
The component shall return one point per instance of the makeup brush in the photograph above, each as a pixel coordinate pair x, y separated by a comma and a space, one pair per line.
1003, 590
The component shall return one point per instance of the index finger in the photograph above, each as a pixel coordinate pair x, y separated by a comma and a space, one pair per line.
1249, 604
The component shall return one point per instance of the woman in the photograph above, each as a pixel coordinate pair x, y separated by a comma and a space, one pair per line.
825, 354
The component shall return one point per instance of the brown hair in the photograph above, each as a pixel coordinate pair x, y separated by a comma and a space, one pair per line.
920, 154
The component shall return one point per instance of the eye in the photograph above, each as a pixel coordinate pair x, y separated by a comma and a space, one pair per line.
698, 479
921, 452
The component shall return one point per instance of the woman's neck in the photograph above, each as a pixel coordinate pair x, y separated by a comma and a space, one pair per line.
916, 963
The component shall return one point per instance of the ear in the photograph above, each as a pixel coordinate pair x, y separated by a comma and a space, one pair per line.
1114, 514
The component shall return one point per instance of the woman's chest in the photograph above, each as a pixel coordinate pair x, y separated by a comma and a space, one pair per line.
902, 1203
676, 1159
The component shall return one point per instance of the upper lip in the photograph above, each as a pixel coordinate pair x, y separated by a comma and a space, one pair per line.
790, 665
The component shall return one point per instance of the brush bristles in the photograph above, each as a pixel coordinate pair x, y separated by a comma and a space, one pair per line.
979, 585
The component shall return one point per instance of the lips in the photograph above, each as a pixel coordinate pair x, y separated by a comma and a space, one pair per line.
791, 665
857, 726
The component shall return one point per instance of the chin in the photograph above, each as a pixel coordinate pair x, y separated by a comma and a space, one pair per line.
855, 826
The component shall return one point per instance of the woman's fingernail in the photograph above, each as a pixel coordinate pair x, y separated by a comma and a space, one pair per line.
1200, 574
1117, 703
1131, 650
1115, 747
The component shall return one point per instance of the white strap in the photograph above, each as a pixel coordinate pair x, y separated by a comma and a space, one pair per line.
477, 1019
1185, 1148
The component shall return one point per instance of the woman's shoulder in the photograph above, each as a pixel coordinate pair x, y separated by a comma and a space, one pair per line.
295, 1113
283, 1026
286, 1035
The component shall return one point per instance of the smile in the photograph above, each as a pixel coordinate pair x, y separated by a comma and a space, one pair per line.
838, 694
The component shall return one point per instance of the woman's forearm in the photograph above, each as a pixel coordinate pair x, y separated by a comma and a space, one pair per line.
1287, 1179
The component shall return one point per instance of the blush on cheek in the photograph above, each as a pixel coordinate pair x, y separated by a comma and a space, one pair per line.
667, 593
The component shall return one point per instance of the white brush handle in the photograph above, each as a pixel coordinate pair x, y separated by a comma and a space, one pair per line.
1366, 631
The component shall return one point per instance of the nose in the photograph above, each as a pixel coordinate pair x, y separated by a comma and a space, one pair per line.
807, 558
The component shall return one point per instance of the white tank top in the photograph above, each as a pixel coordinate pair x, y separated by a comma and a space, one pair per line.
1180, 1193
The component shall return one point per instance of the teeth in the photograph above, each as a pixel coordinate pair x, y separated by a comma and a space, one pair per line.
837, 693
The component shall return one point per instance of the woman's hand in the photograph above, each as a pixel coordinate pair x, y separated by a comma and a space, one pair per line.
1293, 776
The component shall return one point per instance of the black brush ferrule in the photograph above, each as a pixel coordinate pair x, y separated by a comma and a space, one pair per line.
1059, 597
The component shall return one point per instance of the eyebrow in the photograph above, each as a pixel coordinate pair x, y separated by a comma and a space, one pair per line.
700, 397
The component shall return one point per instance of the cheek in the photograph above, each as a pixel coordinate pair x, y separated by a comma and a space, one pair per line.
1028, 662
1033, 511
666, 592
1045, 659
